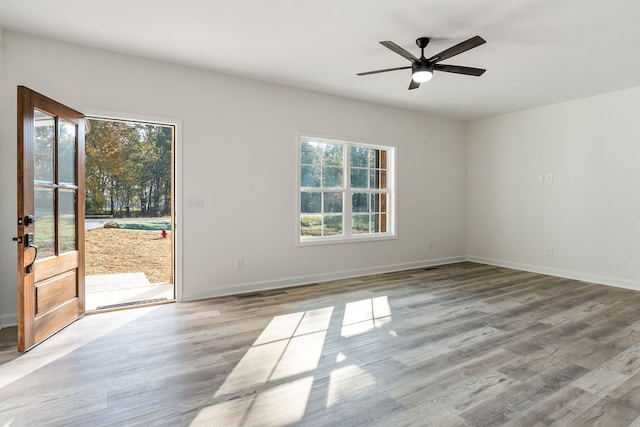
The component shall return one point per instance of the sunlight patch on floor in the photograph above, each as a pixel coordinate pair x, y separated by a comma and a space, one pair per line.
349, 382
290, 345
289, 400
301, 355
365, 315
282, 404
272, 382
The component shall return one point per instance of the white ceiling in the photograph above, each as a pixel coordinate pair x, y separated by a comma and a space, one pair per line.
538, 52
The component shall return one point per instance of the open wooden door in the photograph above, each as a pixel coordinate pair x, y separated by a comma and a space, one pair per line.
50, 217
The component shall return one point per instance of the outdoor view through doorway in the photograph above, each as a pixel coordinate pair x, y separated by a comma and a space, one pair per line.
129, 213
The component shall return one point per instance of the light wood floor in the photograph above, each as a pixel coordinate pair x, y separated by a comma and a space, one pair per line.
465, 344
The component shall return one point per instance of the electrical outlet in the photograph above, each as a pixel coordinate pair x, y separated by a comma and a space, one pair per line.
430, 246
239, 263
549, 251
196, 202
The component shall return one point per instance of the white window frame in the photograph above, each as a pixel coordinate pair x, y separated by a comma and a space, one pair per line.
347, 214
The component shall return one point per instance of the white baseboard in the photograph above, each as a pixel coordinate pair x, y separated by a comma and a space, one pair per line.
307, 280
584, 277
8, 320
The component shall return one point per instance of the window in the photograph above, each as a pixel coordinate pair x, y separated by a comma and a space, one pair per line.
346, 190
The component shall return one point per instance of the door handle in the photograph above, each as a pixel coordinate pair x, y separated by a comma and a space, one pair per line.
28, 221
29, 244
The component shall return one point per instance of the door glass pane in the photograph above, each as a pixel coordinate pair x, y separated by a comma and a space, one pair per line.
66, 152
44, 201
67, 220
44, 146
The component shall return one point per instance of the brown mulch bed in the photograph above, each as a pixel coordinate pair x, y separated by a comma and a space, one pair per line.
113, 251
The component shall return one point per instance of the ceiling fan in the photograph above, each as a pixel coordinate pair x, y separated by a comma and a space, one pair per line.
423, 68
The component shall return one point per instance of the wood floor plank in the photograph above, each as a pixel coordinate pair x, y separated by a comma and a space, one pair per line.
508, 404
606, 412
559, 409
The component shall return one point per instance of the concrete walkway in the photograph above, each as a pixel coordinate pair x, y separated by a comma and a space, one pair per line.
105, 290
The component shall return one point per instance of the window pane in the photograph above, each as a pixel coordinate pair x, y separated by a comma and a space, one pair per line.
44, 146
374, 179
375, 223
360, 202
359, 157
311, 225
310, 176
374, 158
358, 178
333, 225
332, 202
332, 176
67, 220
333, 155
310, 202
310, 153
66, 152
360, 224
44, 204
367, 224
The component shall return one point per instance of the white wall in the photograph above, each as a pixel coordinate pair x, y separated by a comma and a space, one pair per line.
239, 152
7, 212
589, 214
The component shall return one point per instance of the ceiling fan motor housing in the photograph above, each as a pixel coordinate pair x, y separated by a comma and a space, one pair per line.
422, 42
422, 66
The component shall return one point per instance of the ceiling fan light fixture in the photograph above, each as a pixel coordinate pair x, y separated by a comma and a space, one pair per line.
422, 73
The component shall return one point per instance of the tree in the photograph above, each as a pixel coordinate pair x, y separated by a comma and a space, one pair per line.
128, 168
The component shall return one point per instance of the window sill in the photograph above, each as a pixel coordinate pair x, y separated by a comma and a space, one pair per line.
343, 240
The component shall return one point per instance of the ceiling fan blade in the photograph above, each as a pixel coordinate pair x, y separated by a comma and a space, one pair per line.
383, 71
458, 49
414, 84
458, 69
400, 51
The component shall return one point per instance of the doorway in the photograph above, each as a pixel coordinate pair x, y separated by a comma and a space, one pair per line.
51, 211
129, 205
